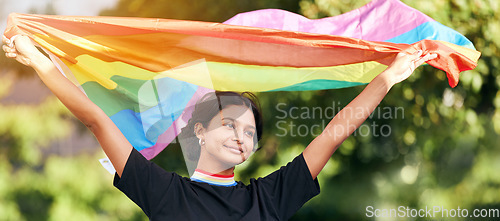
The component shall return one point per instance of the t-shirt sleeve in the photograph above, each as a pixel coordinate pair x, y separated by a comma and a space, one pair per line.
143, 182
290, 187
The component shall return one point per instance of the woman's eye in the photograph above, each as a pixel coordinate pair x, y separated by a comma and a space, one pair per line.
249, 133
229, 125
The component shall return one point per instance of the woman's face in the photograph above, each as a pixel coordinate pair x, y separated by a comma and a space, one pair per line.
230, 136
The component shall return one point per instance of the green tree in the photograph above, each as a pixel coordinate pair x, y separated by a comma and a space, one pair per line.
442, 149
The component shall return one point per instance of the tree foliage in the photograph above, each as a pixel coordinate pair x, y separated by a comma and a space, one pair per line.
426, 145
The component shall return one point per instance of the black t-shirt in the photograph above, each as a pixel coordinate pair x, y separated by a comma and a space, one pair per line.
167, 196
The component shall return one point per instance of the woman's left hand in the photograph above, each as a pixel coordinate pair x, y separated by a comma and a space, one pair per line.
404, 65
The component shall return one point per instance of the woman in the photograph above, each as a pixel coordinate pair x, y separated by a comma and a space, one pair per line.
225, 140
219, 115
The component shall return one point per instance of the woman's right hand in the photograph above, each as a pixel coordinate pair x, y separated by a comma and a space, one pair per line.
22, 49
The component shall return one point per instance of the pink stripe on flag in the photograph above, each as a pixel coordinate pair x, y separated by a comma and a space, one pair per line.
378, 20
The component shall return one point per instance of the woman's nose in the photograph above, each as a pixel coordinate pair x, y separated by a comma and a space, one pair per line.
237, 140
238, 137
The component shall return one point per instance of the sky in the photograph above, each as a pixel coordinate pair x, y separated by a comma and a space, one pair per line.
62, 7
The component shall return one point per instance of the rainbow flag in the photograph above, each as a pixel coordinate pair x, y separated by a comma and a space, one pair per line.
146, 74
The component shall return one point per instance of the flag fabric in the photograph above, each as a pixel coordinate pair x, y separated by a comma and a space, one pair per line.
378, 20
147, 74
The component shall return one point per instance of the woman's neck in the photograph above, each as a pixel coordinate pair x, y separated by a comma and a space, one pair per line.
213, 172
208, 163
215, 169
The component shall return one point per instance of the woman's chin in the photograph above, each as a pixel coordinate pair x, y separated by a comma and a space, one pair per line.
235, 159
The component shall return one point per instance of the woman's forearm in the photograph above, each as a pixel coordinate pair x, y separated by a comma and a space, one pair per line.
345, 123
355, 113
112, 141
68, 93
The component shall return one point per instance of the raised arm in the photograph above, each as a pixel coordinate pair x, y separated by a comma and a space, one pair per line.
357, 111
112, 141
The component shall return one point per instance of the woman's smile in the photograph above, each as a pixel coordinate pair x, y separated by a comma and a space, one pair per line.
233, 149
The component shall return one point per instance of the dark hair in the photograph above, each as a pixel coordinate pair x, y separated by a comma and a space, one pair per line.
205, 110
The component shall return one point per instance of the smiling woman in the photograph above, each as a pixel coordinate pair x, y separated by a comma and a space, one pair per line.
222, 124
223, 132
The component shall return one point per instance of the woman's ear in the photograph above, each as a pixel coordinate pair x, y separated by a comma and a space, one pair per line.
199, 131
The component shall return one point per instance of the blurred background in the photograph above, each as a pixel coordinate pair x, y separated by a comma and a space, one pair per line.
433, 145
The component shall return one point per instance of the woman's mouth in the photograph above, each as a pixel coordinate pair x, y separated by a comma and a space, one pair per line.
235, 150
